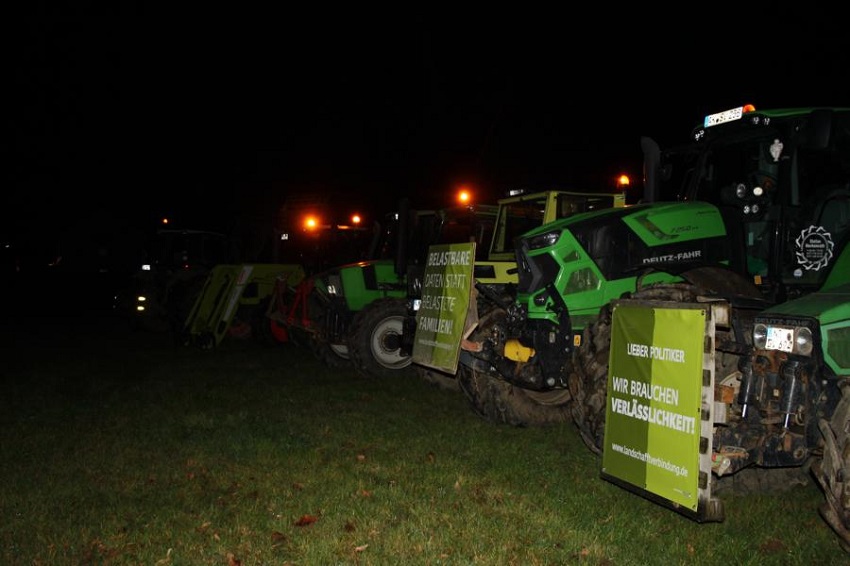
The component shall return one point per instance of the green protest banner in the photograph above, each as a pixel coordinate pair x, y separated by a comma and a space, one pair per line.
446, 290
655, 389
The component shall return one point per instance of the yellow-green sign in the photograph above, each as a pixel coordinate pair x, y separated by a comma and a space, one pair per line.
655, 385
445, 299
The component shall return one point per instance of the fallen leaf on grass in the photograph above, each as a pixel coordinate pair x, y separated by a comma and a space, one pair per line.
306, 520
361, 548
349, 527
431, 457
365, 493
278, 537
361, 457
204, 527
232, 560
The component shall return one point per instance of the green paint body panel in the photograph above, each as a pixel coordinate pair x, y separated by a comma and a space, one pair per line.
360, 289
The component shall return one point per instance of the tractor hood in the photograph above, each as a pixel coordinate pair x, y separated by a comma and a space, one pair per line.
828, 307
832, 310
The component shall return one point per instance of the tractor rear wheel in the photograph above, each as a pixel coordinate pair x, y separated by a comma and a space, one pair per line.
332, 352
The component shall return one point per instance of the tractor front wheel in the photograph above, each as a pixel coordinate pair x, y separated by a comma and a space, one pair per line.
375, 340
501, 402
833, 470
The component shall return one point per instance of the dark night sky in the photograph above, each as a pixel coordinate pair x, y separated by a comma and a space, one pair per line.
124, 112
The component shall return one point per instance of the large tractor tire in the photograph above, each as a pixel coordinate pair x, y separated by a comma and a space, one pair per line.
330, 352
833, 470
503, 403
374, 340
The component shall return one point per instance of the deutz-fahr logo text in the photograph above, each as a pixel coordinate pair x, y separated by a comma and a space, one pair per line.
670, 258
814, 248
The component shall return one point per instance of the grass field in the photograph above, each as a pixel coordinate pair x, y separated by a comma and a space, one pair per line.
121, 448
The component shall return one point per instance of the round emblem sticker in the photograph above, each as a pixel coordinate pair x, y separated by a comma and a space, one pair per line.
814, 248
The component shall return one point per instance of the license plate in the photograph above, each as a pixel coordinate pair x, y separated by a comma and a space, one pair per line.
778, 338
723, 117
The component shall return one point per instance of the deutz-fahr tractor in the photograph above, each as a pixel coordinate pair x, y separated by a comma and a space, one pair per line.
353, 313
495, 267
753, 211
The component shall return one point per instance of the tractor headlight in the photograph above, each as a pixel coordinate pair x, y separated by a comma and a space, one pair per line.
803, 341
759, 336
544, 240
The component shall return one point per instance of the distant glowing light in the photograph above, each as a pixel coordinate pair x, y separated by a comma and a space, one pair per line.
464, 196
623, 181
355, 219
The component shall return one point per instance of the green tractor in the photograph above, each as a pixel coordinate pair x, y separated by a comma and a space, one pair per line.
495, 268
792, 402
353, 314
754, 212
